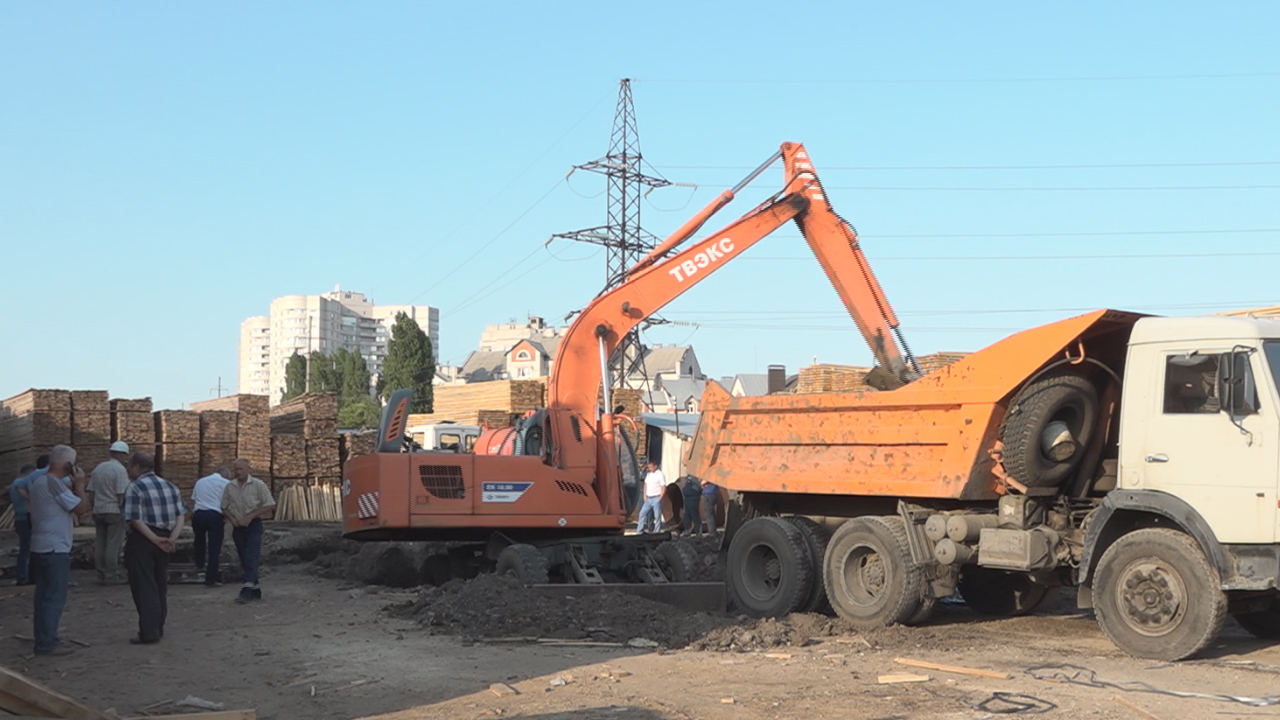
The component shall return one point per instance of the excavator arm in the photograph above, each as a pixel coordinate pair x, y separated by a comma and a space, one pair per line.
663, 275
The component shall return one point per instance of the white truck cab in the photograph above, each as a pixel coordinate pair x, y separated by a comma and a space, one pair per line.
1200, 420
444, 437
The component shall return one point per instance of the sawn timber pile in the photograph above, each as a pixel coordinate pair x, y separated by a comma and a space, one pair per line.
500, 401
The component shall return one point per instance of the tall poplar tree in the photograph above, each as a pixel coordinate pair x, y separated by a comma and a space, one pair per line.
410, 363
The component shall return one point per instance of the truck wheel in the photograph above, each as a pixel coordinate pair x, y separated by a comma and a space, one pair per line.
524, 563
998, 593
1262, 624
1069, 399
678, 560
769, 570
1156, 595
815, 538
869, 575
922, 613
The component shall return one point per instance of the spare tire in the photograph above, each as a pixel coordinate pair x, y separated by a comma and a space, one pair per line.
1066, 398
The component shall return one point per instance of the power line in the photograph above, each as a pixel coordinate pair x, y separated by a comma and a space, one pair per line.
1129, 256
1099, 188
1100, 166
952, 81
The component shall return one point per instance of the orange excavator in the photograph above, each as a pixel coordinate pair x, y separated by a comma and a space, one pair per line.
545, 500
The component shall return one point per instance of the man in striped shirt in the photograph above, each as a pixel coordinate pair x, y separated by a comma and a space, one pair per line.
155, 513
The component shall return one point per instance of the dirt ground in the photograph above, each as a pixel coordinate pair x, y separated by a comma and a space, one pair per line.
328, 648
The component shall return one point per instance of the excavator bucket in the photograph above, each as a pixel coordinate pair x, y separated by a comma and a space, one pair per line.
690, 596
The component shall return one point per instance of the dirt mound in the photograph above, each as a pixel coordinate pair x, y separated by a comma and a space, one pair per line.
497, 606
794, 630
493, 606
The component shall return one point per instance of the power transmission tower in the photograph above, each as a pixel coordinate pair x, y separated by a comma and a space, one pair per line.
625, 242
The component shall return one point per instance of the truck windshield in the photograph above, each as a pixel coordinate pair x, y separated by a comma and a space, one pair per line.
1272, 350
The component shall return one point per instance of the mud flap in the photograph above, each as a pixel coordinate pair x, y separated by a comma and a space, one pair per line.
690, 596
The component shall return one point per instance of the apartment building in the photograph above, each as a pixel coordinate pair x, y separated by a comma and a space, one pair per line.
340, 319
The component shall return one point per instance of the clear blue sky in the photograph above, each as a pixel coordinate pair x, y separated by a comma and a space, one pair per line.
166, 169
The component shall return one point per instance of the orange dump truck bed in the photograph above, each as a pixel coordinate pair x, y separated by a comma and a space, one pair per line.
929, 439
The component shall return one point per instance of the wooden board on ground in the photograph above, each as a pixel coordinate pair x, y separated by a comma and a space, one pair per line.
20, 695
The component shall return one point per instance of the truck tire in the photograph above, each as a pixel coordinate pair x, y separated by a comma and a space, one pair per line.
1157, 596
524, 563
997, 593
1262, 624
679, 561
1071, 399
769, 570
816, 538
870, 578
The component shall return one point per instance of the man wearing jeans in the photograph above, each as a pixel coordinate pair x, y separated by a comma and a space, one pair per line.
52, 504
651, 512
208, 524
244, 502
107, 484
22, 517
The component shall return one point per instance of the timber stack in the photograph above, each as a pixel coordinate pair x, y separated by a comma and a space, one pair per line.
252, 430
218, 434
31, 423
306, 459
90, 427
178, 456
132, 422
500, 401
357, 443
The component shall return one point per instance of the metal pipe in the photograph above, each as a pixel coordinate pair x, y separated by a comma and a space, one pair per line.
604, 373
697, 221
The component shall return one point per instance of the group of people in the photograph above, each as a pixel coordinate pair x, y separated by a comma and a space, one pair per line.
701, 503
136, 510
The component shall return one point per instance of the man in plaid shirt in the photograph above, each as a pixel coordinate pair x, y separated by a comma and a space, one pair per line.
155, 513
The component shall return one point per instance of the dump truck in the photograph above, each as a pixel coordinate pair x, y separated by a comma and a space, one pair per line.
1135, 459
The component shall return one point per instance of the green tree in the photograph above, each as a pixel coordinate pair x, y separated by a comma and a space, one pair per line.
295, 377
362, 412
410, 363
324, 374
353, 376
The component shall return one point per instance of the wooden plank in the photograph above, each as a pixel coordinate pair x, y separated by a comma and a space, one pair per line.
211, 715
20, 694
894, 678
976, 672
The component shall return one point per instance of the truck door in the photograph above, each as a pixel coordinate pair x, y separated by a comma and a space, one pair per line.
1212, 438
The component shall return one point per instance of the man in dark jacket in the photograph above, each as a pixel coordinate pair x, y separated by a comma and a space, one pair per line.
692, 492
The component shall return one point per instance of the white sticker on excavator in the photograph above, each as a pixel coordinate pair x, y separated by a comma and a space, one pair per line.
503, 492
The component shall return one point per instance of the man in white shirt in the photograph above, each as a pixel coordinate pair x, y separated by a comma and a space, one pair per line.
105, 492
207, 523
655, 483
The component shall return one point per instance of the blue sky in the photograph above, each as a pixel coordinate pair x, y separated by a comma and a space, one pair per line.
166, 169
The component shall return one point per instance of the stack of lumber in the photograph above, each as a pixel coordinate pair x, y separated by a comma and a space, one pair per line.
314, 415
496, 418
937, 361
288, 459
132, 422
355, 444
304, 502
31, 422
323, 461
632, 402
464, 403
253, 429
90, 426
217, 439
178, 456
825, 378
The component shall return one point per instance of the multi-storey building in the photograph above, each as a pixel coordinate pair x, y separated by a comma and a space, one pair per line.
325, 323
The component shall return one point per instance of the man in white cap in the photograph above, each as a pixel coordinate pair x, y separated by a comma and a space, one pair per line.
105, 494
